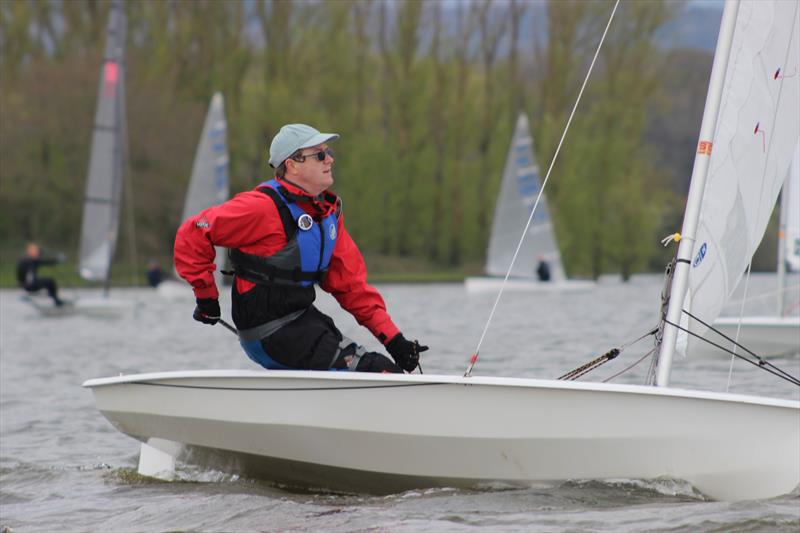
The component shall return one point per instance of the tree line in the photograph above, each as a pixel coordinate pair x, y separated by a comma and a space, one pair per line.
425, 95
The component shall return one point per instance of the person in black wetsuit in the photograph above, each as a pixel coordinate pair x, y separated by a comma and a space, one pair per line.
155, 274
28, 276
543, 270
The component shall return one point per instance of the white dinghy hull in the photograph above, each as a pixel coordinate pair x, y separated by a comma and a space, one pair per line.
384, 433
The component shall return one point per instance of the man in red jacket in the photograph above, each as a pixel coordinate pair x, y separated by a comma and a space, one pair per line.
285, 236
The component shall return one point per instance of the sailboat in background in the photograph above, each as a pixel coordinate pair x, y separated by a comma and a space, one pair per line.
518, 191
208, 184
101, 207
434, 430
777, 334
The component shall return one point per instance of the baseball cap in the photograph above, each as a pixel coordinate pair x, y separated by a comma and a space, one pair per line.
293, 137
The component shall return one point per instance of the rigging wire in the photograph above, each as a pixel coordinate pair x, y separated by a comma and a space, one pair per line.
642, 358
739, 325
474, 358
761, 363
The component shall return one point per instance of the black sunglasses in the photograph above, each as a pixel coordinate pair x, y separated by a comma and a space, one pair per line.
320, 156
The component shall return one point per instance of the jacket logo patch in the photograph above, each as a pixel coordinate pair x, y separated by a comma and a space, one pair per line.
332, 232
305, 222
202, 223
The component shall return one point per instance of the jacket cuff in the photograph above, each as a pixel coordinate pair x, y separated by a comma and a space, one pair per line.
206, 292
387, 333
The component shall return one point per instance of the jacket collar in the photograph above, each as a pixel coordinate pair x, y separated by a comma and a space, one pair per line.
321, 204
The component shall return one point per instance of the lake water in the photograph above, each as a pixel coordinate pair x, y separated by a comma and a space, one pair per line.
64, 468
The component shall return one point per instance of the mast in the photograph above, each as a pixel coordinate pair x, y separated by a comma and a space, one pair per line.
115, 53
708, 126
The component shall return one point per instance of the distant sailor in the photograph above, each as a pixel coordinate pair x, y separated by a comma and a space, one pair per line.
543, 269
155, 274
286, 236
28, 275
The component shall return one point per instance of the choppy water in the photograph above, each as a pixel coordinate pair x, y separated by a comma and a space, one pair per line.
64, 468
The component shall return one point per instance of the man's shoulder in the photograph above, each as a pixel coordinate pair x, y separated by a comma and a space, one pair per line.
256, 195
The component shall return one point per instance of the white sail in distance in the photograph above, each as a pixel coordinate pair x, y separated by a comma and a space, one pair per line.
518, 190
208, 185
757, 130
101, 207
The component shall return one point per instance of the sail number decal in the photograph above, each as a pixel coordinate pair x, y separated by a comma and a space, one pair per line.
704, 147
701, 253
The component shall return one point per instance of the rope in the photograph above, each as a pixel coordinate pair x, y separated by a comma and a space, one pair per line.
606, 357
474, 358
591, 365
761, 363
228, 327
642, 358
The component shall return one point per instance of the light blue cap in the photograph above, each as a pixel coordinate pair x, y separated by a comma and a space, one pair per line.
293, 137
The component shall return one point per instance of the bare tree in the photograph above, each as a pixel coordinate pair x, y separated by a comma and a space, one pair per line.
466, 21
492, 28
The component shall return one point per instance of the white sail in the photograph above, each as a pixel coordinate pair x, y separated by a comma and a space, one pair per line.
757, 131
518, 191
208, 184
791, 211
101, 207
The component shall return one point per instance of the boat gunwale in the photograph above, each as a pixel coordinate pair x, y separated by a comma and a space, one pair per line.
395, 380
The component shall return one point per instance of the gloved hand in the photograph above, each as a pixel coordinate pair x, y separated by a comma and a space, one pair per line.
207, 311
405, 352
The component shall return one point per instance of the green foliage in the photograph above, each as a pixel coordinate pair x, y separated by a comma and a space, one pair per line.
425, 117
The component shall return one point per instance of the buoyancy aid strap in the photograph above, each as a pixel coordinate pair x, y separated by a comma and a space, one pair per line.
247, 267
360, 351
357, 354
268, 328
289, 223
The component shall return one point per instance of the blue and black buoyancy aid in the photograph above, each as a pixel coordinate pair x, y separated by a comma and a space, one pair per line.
307, 254
285, 280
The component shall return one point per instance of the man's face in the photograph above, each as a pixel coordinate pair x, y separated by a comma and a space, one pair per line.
311, 173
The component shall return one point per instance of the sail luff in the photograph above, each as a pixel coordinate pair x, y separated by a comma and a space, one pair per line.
696, 190
100, 223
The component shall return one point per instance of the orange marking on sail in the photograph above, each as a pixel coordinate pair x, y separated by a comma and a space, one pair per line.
704, 147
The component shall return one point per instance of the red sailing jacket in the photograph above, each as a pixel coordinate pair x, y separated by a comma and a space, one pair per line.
250, 221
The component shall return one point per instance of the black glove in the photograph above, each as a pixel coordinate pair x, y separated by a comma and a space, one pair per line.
405, 352
207, 311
